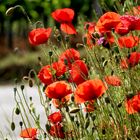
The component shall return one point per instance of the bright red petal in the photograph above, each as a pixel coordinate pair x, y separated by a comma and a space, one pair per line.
63, 15
28, 133
68, 28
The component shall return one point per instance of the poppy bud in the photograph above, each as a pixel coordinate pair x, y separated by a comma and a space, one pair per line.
119, 105
87, 26
17, 111
86, 115
15, 90
12, 126
39, 58
30, 98
50, 53
47, 127
75, 110
10, 11
25, 78
45, 135
67, 109
93, 40
30, 82
21, 123
130, 95
72, 98
59, 38
103, 131
96, 35
22, 87
79, 45
105, 63
112, 72
107, 100
77, 123
72, 118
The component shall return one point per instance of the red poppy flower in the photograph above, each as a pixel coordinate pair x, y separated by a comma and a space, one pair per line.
59, 67
58, 90
59, 103
107, 22
68, 28
28, 133
124, 64
134, 58
128, 23
89, 90
55, 117
65, 17
109, 37
78, 72
89, 107
45, 75
113, 80
70, 55
39, 36
133, 105
128, 41
90, 26
57, 131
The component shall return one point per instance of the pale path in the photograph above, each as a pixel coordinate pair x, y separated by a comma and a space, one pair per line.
7, 104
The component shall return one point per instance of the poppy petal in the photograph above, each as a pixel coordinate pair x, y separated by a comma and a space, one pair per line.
68, 28
63, 15
28, 133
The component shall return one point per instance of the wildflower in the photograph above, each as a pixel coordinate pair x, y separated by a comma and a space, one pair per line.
69, 56
134, 59
57, 131
113, 80
124, 64
39, 36
55, 117
128, 41
59, 67
89, 90
107, 22
133, 105
90, 30
58, 90
128, 23
58, 103
29, 133
45, 75
78, 72
64, 17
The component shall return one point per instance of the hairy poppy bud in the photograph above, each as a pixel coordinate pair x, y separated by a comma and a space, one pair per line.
12, 126
10, 11
17, 111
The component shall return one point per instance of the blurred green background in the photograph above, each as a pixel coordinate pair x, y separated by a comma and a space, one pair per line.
16, 55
